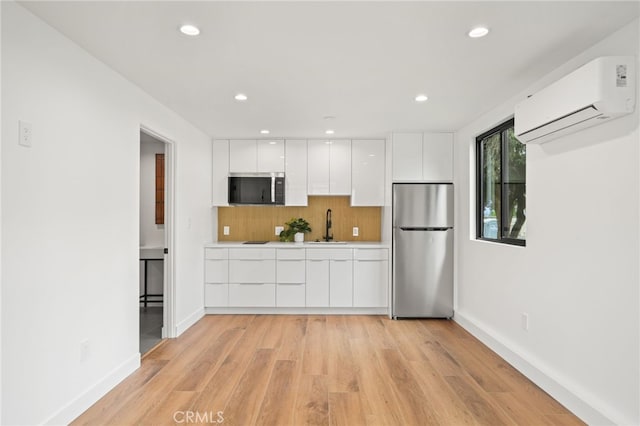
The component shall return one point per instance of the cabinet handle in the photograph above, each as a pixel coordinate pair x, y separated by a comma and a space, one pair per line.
290, 260
341, 260
251, 283
316, 260
371, 260
290, 283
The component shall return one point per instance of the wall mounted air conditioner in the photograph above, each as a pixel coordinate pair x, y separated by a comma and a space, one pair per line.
599, 91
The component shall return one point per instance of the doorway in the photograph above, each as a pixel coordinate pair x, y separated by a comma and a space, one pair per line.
156, 242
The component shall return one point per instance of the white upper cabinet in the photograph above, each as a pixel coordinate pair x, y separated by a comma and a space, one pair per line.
407, 157
367, 172
220, 172
329, 167
243, 156
422, 157
295, 173
270, 156
251, 156
437, 157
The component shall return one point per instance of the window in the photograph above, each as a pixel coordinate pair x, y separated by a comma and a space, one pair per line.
501, 192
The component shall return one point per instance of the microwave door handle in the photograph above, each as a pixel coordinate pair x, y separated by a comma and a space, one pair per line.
273, 189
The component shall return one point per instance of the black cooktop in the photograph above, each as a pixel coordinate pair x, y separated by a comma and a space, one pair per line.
255, 242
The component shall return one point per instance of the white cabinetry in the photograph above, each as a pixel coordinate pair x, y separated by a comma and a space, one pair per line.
329, 167
295, 173
252, 277
370, 278
329, 278
422, 157
290, 278
220, 172
367, 172
216, 277
251, 156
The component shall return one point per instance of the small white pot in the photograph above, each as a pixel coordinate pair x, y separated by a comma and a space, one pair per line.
298, 237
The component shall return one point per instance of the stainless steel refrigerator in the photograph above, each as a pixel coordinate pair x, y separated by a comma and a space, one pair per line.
422, 250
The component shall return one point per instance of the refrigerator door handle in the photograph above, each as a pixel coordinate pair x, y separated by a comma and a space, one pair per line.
415, 228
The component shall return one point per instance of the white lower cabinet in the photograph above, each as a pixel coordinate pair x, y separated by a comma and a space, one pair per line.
216, 277
370, 278
296, 277
252, 277
317, 285
290, 278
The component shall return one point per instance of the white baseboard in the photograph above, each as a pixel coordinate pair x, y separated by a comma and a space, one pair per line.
80, 404
298, 311
535, 372
183, 325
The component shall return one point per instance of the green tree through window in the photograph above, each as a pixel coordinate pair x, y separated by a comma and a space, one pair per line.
501, 178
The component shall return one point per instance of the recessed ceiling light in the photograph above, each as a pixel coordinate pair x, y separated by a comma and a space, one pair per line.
190, 30
329, 132
421, 98
241, 97
264, 132
478, 32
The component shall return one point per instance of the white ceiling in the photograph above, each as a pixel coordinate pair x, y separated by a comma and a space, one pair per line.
362, 62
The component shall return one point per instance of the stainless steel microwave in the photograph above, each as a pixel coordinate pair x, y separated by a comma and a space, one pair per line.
256, 188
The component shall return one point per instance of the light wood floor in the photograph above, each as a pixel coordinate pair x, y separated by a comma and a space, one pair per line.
338, 370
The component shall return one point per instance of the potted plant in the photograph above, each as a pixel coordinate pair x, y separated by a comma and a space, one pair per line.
295, 230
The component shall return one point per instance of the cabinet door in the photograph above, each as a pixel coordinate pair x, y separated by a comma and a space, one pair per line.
318, 167
340, 167
290, 295
367, 172
216, 271
437, 157
341, 283
407, 157
243, 156
252, 295
220, 172
252, 271
317, 286
295, 173
216, 295
370, 283
270, 156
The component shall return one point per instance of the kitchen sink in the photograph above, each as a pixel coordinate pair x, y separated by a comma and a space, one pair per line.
325, 242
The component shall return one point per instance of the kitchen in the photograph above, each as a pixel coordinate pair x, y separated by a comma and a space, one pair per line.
576, 282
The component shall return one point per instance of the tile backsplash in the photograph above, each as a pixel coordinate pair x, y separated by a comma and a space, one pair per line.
257, 223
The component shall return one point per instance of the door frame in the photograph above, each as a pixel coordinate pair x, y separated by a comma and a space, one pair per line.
168, 307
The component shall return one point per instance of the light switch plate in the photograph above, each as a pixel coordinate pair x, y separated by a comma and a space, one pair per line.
356, 231
279, 229
225, 230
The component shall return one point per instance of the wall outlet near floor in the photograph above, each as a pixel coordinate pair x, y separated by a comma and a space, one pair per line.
279, 229
84, 350
225, 230
24, 134
525, 321
356, 231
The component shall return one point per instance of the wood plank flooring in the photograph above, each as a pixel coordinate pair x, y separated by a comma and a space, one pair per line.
325, 370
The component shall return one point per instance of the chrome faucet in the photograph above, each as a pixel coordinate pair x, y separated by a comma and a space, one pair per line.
327, 237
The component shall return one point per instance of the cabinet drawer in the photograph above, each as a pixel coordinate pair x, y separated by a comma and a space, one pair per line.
290, 271
216, 295
371, 254
252, 253
252, 295
216, 271
252, 271
290, 295
297, 253
216, 253
329, 253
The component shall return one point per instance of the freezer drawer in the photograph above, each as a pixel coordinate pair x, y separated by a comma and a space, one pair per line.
423, 273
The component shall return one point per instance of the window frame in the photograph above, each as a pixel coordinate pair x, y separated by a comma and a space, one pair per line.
499, 129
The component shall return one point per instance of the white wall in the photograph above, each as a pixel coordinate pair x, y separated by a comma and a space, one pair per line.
70, 216
578, 276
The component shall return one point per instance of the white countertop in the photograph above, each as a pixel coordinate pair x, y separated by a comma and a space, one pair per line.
306, 245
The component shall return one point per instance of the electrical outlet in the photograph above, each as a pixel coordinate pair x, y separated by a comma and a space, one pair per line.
225, 230
24, 134
525, 321
279, 229
356, 231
